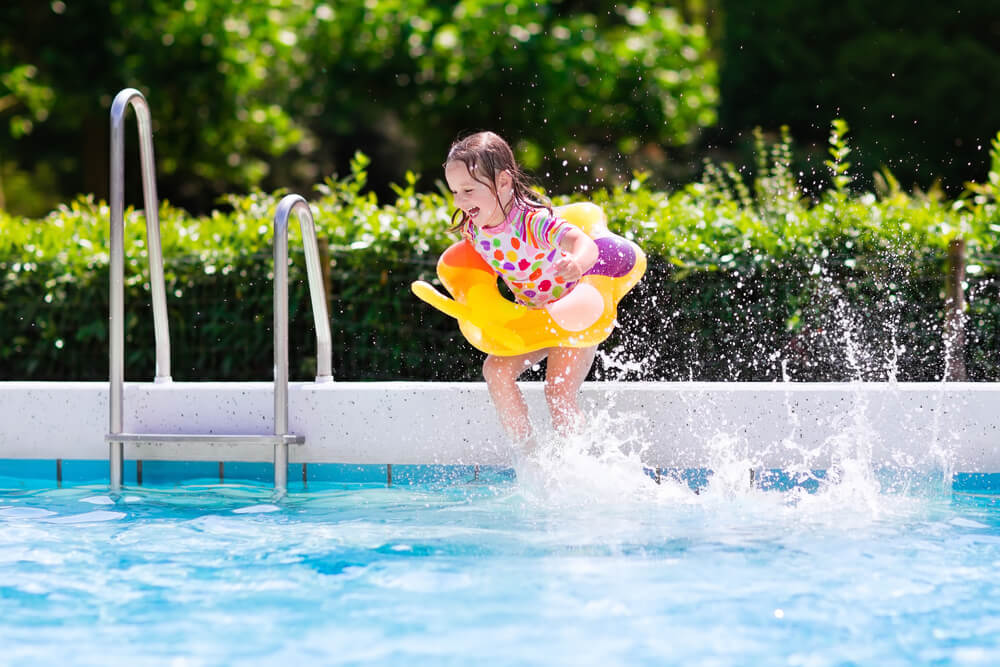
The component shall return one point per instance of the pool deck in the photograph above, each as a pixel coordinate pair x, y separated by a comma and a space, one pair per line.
682, 424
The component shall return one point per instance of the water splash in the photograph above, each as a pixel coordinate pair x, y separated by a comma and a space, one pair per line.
608, 463
602, 464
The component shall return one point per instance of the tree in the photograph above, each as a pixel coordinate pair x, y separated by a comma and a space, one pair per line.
916, 85
247, 94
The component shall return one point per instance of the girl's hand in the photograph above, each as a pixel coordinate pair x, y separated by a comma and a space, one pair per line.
579, 253
568, 267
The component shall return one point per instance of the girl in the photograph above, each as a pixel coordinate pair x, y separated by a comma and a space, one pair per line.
541, 257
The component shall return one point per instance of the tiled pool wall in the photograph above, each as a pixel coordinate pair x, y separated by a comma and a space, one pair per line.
48, 473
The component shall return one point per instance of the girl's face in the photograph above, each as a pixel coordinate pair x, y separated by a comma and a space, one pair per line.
476, 199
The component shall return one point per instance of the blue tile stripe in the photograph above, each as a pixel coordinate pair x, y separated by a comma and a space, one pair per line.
74, 471
51, 472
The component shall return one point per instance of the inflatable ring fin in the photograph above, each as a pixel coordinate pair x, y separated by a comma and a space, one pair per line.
496, 325
463, 313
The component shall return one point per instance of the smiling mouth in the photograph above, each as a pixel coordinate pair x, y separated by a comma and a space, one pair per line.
473, 212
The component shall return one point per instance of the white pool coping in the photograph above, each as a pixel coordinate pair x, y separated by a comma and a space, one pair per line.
677, 424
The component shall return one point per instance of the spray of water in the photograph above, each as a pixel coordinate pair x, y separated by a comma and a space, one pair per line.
601, 464
607, 463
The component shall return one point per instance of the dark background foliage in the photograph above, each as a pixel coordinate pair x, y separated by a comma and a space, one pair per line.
917, 82
252, 93
255, 94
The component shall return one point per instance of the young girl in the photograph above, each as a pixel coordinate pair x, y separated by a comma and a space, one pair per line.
541, 257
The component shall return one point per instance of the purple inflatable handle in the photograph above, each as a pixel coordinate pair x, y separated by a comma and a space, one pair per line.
615, 257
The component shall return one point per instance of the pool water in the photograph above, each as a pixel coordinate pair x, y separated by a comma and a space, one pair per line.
576, 564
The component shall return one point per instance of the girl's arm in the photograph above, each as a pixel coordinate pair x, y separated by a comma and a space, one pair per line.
580, 254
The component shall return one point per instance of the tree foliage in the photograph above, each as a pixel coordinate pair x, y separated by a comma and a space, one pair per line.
917, 83
280, 94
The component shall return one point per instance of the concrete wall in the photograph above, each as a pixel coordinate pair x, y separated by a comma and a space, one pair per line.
675, 424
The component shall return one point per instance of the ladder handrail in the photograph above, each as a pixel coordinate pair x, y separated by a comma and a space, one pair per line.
116, 317
324, 346
125, 98
288, 204
317, 292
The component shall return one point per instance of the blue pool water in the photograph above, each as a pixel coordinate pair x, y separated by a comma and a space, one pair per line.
564, 566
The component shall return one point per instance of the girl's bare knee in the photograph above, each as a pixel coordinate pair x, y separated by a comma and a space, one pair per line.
498, 369
500, 372
494, 369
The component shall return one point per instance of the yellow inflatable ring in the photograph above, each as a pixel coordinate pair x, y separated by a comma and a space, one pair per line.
496, 325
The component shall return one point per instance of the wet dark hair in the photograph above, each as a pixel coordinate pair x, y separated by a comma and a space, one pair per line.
486, 155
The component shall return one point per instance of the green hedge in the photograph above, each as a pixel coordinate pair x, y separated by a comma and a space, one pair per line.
749, 279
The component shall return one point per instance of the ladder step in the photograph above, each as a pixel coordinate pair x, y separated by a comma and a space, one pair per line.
206, 438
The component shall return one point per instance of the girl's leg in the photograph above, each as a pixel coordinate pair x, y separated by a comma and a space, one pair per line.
501, 375
567, 369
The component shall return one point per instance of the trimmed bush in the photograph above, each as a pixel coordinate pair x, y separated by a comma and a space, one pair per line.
749, 280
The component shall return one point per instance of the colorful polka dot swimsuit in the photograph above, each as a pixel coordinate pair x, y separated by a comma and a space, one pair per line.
522, 250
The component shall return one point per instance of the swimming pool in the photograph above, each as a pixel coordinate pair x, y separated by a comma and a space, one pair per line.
577, 558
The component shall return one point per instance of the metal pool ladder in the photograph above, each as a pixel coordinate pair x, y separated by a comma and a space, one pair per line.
281, 438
